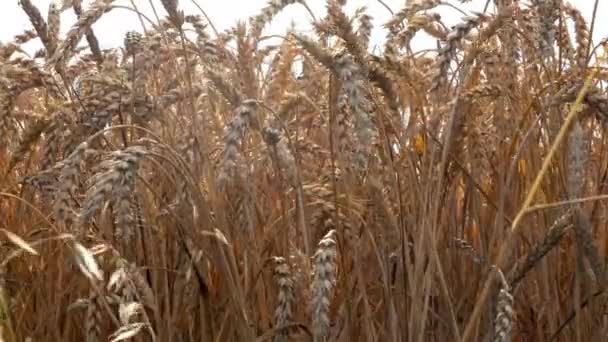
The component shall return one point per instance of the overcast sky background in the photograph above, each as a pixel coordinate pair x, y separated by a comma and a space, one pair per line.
225, 13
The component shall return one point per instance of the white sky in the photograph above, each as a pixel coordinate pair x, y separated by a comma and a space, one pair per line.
224, 13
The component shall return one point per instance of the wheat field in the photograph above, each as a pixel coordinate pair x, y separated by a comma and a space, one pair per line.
196, 185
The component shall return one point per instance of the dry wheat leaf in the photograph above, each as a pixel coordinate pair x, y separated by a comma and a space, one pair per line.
87, 263
80, 303
218, 235
14, 238
126, 332
99, 249
128, 310
117, 279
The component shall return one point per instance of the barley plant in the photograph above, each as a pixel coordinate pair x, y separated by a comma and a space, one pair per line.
204, 185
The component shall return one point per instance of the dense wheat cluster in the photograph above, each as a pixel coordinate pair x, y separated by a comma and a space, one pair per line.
196, 185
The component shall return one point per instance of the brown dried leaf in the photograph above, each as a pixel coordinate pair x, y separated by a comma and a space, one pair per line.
87, 263
128, 310
17, 240
126, 332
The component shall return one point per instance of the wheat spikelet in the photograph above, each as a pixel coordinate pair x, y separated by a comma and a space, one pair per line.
585, 240
548, 12
282, 153
115, 182
133, 42
39, 24
509, 53
577, 156
449, 48
366, 25
128, 283
6, 120
77, 31
93, 318
353, 96
282, 273
483, 90
549, 241
29, 139
427, 22
469, 249
582, 35
199, 26
344, 29
56, 137
54, 25
90, 36
243, 117
318, 52
281, 73
272, 8
175, 16
25, 37
410, 10
564, 42
67, 180
595, 99
503, 323
324, 277
224, 87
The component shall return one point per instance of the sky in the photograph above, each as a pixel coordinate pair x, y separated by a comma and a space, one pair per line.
111, 27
